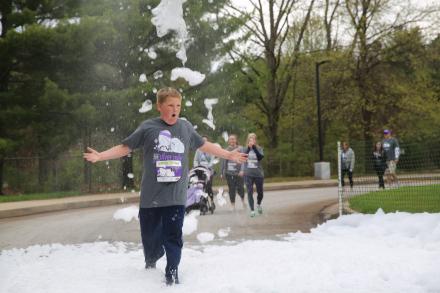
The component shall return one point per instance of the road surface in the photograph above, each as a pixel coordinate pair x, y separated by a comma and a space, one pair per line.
284, 211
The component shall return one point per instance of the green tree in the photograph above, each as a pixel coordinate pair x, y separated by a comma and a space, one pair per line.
371, 25
268, 27
18, 15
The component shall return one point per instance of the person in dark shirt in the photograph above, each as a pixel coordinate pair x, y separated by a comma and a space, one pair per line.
206, 160
379, 163
347, 163
253, 172
392, 152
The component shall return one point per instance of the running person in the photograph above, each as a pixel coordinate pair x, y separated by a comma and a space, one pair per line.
347, 163
166, 142
379, 163
206, 160
253, 172
391, 149
231, 171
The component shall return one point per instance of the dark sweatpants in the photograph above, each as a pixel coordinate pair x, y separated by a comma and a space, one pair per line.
250, 189
235, 184
380, 174
350, 177
161, 232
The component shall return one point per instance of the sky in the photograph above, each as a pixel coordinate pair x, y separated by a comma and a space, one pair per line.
396, 252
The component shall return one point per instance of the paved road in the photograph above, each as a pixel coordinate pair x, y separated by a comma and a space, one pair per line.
284, 211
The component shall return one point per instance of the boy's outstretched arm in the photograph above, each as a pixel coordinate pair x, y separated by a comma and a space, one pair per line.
215, 150
112, 153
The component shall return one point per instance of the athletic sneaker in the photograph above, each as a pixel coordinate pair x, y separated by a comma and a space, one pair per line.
150, 266
252, 214
259, 209
172, 278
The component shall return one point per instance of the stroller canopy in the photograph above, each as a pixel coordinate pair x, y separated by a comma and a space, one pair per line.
202, 173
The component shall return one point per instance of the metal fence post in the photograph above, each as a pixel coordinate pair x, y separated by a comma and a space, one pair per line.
339, 179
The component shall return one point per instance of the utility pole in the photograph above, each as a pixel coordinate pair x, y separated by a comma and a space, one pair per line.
318, 102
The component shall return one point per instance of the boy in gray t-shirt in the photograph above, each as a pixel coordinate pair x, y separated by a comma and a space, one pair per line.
166, 142
166, 149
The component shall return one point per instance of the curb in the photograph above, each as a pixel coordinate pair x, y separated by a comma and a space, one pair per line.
299, 186
41, 207
26, 208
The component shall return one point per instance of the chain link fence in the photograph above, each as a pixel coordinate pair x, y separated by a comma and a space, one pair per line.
70, 173
411, 183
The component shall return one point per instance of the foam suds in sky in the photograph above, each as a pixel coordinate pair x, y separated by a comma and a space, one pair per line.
143, 78
209, 103
192, 77
168, 16
146, 106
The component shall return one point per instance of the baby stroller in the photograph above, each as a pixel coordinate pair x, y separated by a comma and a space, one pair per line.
197, 194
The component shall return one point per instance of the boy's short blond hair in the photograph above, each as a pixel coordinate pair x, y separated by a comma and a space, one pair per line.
166, 92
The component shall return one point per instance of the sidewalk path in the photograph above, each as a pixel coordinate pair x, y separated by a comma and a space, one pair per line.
24, 208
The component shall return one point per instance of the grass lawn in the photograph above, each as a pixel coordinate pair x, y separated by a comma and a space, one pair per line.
413, 199
36, 196
286, 179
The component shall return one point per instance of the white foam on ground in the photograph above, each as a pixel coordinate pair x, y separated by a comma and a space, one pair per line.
190, 223
127, 214
221, 201
205, 237
381, 253
223, 232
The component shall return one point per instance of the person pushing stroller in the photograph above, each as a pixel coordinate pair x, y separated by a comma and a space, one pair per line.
197, 195
206, 160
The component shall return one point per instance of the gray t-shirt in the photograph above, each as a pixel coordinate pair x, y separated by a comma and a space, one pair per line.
252, 167
347, 159
165, 161
391, 148
231, 167
203, 159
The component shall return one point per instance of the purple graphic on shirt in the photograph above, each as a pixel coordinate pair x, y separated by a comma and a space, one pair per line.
168, 157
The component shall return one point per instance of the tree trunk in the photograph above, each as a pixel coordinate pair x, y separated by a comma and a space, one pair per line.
87, 170
42, 172
5, 11
272, 130
2, 161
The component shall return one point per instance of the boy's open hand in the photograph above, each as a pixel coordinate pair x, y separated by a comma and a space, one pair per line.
238, 157
92, 155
